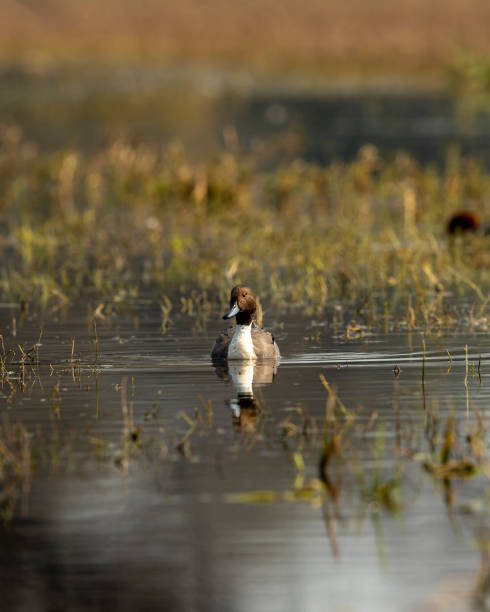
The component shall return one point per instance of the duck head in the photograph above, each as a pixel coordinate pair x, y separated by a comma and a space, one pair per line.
242, 305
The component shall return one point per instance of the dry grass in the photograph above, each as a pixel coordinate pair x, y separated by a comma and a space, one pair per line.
411, 36
369, 234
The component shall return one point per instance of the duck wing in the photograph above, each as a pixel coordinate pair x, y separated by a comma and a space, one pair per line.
220, 348
265, 346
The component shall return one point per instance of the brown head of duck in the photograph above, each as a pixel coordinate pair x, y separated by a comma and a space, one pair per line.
242, 305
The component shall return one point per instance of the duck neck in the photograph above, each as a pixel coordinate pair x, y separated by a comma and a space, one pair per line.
244, 317
241, 345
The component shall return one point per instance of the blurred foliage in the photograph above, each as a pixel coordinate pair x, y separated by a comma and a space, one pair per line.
129, 218
469, 79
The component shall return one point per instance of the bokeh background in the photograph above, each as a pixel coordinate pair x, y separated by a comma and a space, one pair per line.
314, 79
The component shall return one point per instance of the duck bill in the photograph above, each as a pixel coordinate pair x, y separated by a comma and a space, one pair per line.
232, 312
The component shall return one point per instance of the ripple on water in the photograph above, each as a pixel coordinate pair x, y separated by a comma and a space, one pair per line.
203, 484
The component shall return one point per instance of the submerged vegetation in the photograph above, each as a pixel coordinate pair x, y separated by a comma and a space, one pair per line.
127, 220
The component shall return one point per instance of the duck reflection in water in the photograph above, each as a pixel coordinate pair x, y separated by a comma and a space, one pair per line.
245, 375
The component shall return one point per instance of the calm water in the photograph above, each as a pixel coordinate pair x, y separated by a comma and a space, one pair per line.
161, 485
277, 121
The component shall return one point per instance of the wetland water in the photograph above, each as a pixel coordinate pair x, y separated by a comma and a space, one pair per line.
277, 121
156, 487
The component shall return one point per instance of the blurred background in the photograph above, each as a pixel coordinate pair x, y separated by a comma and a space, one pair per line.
315, 79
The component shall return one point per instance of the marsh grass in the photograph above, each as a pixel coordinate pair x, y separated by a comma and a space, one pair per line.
19, 366
126, 220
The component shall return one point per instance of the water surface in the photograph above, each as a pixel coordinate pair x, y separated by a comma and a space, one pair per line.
277, 121
161, 484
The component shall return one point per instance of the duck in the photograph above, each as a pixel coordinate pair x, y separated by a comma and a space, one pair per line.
246, 340
466, 221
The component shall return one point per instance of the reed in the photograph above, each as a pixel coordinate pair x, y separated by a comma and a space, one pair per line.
147, 220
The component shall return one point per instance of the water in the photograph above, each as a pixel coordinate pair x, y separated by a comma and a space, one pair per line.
160, 484
324, 128
277, 121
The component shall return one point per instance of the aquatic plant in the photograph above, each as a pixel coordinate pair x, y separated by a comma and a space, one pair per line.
126, 220
15, 466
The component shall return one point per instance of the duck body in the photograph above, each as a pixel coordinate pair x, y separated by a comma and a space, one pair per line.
246, 340
234, 344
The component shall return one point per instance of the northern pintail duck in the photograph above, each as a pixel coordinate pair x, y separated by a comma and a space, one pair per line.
246, 340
